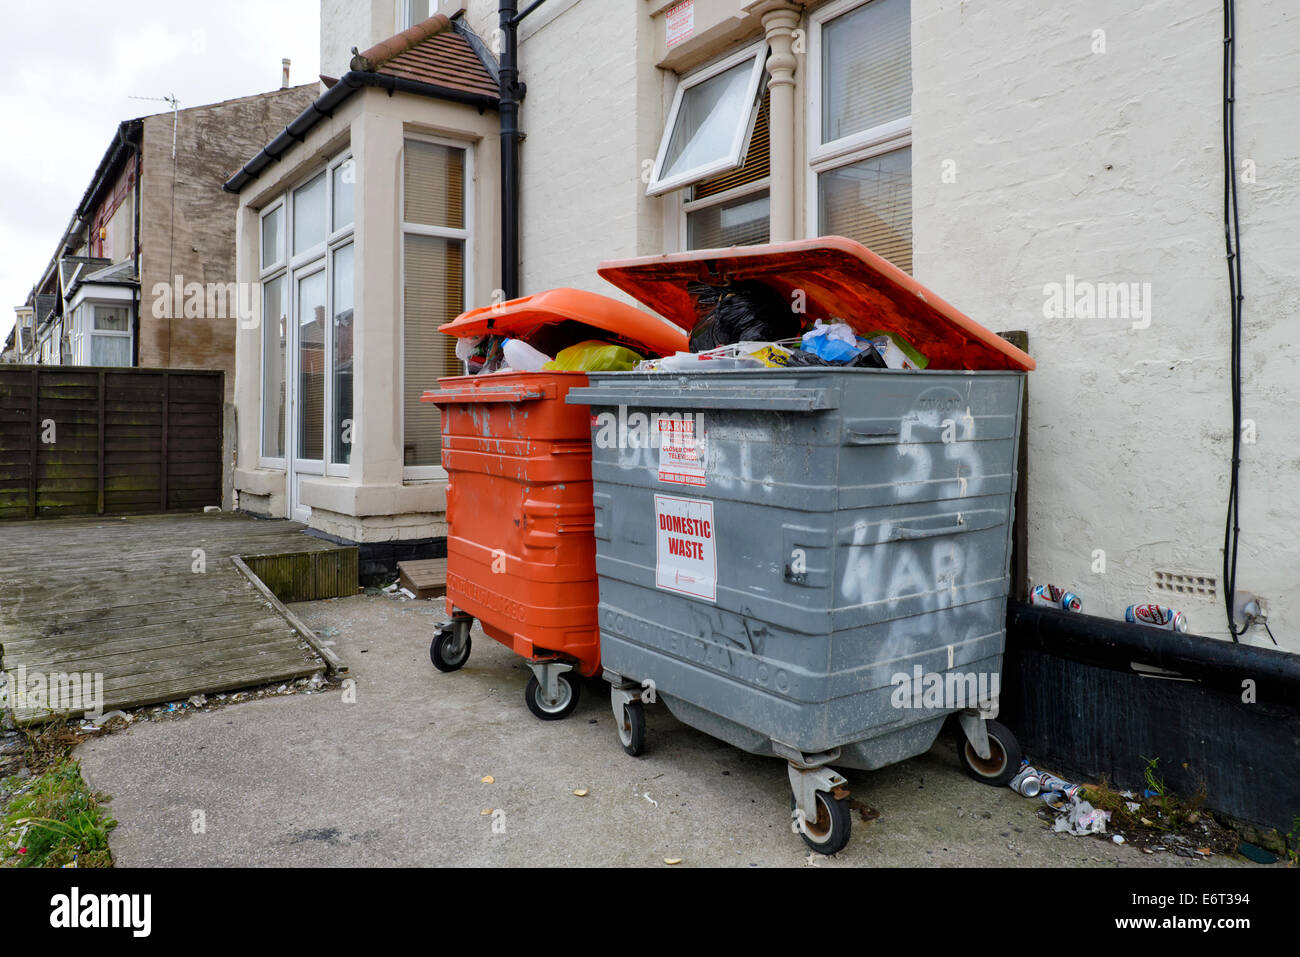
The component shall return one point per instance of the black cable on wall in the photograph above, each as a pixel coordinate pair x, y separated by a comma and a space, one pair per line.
1232, 241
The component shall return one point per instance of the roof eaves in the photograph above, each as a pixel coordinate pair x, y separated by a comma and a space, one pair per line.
323, 107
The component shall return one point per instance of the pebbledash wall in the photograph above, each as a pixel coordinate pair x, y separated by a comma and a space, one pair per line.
1054, 145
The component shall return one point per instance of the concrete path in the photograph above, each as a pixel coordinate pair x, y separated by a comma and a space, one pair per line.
394, 779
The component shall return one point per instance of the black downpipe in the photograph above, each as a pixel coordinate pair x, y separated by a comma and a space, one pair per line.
136, 293
510, 95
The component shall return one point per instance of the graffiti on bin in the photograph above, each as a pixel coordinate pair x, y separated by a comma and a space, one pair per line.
925, 569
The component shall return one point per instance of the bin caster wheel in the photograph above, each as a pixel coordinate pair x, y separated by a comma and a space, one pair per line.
631, 731
830, 832
561, 707
1004, 758
446, 652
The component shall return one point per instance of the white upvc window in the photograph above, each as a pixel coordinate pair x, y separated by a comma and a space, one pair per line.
710, 121
859, 179
411, 12
100, 333
436, 206
732, 208
306, 277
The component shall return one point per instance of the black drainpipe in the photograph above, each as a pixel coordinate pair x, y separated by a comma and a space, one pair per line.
137, 292
511, 95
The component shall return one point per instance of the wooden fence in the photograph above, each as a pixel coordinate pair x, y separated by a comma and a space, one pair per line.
81, 440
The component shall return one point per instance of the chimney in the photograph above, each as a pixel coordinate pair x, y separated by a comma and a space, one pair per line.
284, 75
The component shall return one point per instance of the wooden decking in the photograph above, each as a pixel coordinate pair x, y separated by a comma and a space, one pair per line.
426, 578
155, 604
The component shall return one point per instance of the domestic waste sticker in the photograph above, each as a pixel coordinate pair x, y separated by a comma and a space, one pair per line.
686, 551
683, 451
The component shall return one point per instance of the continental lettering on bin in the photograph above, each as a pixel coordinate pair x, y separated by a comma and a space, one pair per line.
686, 554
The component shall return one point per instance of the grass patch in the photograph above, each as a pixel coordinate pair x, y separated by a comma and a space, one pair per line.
54, 819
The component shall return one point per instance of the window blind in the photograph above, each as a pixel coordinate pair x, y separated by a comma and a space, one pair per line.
434, 193
871, 201
433, 293
866, 68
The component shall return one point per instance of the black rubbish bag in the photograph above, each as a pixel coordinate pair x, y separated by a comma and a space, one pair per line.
744, 311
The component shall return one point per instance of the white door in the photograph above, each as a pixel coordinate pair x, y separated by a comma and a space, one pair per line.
310, 367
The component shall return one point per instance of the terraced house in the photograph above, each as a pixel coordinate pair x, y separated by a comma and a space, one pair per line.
1046, 166
141, 276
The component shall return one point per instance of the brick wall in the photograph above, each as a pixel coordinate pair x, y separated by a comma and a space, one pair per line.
188, 221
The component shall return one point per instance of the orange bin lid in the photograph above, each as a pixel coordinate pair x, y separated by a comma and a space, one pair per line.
841, 279
521, 318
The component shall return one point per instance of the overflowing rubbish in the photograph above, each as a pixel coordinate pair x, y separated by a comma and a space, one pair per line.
594, 356
834, 341
896, 351
744, 311
521, 357
1055, 597
1081, 818
1156, 616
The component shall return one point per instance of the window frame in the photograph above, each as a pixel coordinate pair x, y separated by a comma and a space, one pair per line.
740, 143
91, 331
403, 14
427, 473
293, 268
688, 206
826, 157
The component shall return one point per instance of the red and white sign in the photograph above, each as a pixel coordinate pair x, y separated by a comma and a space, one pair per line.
686, 552
683, 454
679, 22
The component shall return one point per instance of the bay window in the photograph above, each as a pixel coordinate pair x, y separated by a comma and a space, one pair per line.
306, 334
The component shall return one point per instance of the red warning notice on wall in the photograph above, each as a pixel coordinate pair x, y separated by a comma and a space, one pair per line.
683, 454
686, 557
679, 23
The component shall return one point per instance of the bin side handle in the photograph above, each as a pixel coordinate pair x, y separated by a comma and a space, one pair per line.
514, 393
961, 522
880, 435
737, 398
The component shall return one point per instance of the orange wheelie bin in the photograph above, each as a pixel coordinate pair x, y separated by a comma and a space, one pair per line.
521, 551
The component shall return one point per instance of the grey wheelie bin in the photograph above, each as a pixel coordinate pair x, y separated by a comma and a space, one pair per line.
820, 571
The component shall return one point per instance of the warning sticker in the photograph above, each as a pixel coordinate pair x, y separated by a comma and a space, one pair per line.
679, 23
683, 451
686, 553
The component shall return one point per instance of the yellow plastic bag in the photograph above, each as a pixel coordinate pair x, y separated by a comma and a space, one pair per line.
594, 356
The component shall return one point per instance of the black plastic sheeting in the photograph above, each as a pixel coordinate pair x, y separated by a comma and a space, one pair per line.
1072, 696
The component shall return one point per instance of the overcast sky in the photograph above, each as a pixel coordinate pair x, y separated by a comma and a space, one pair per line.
71, 71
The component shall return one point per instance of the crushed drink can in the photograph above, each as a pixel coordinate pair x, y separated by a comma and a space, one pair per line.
1026, 782
1156, 616
1051, 784
1055, 597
